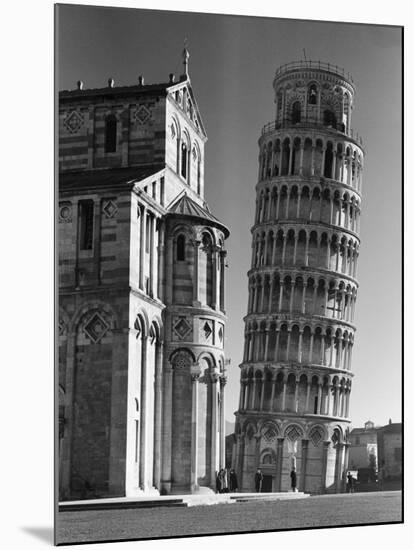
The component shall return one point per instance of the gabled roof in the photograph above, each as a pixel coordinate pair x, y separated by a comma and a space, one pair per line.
183, 205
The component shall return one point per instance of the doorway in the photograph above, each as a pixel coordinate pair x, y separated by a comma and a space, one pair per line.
267, 484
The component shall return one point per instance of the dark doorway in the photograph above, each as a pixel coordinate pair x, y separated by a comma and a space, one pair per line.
267, 484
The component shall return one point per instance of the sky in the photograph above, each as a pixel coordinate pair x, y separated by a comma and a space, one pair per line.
232, 64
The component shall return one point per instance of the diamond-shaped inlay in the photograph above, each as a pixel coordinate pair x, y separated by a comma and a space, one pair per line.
293, 434
73, 122
182, 328
96, 328
316, 437
207, 330
61, 327
269, 435
335, 438
142, 114
110, 209
220, 334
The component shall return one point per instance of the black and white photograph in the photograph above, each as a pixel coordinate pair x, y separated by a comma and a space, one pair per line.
205, 235
229, 240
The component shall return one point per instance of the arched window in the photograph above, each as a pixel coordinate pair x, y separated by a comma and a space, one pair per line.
312, 94
296, 112
181, 248
110, 134
184, 157
329, 118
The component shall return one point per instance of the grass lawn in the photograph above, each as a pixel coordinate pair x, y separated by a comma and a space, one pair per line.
317, 511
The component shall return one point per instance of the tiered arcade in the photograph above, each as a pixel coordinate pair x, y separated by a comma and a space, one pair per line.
299, 334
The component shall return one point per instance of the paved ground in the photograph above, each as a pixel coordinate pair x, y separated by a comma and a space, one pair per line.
317, 511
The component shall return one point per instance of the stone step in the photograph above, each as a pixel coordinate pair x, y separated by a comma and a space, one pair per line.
120, 504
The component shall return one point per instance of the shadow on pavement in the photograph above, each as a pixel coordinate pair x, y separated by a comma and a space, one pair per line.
43, 533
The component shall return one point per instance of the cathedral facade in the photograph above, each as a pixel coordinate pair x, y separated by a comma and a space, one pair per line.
141, 294
296, 374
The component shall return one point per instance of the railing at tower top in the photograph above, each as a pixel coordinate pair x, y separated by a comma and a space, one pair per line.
287, 123
319, 65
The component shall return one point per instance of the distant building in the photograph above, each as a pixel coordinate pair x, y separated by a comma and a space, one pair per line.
363, 455
390, 451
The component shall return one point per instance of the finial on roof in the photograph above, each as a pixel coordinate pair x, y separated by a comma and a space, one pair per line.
141, 80
185, 56
80, 85
111, 82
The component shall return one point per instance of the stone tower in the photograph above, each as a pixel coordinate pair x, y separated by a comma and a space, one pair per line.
299, 333
141, 294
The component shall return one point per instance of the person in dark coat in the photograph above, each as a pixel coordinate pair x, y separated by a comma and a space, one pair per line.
258, 480
293, 479
233, 481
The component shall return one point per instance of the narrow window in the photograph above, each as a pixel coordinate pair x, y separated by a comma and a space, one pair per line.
315, 406
86, 224
184, 154
198, 176
312, 94
296, 112
181, 248
110, 134
329, 119
162, 192
147, 234
154, 190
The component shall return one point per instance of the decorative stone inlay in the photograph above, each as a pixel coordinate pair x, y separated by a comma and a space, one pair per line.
137, 327
335, 439
221, 334
316, 436
208, 330
110, 208
61, 327
182, 360
153, 335
142, 114
96, 328
293, 433
173, 134
65, 213
182, 328
269, 435
73, 122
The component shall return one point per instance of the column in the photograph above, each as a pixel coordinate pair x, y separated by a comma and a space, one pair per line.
143, 419
277, 344
307, 251
161, 247
296, 394
284, 394
289, 331
241, 396
333, 165
324, 464
315, 292
223, 254
272, 288
301, 157
311, 348
194, 429
158, 413
332, 340
223, 381
240, 458
281, 285
323, 161
277, 205
300, 345
262, 394
338, 466
143, 215
274, 249
213, 463
295, 248
279, 463
318, 410
290, 158
284, 248
313, 161
328, 400
272, 397
299, 198
305, 444
216, 286
166, 428
305, 284
152, 257
307, 396
266, 351
169, 271
292, 293
196, 282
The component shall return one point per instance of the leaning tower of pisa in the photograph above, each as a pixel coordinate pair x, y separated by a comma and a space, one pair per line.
299, 329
